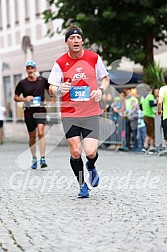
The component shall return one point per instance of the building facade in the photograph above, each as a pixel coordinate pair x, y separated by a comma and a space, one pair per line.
23, 36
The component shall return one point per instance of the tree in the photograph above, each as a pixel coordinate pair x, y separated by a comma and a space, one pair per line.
130, 28
154, 75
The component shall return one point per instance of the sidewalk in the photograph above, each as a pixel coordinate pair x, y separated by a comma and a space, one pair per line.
40, 211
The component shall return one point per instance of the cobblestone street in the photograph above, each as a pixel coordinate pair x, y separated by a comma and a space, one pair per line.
40, 211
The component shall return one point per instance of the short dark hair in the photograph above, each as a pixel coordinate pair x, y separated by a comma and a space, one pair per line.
73, 27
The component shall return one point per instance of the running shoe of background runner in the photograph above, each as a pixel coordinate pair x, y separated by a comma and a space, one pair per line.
43, 163
34, 163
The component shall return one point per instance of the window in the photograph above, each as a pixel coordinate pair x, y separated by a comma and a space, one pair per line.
16, 12
17, 78
27, 11
37, 8
19, 110
9, 40
8, 13
0, 15
8, 96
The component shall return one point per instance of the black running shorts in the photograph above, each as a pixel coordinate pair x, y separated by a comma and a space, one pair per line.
1, 123
86, 127
33, 117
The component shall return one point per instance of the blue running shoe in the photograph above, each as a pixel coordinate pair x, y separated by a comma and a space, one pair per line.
93, 176
34, 163
84, 191
43, 163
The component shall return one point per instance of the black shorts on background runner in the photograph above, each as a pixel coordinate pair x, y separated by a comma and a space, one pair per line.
1, 123
33, 117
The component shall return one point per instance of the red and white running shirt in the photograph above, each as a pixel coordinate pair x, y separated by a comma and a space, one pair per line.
83, 73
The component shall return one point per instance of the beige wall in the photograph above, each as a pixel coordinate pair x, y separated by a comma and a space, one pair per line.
44, 55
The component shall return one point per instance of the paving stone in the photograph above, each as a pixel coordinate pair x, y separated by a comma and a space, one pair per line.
40, 211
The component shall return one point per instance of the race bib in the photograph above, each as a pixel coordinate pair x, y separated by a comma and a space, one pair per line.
80, 93
36, 102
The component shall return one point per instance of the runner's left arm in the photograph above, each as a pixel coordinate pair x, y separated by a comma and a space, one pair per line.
102, 74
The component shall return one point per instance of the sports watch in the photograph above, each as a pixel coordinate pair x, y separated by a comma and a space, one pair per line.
59, 90
102, 90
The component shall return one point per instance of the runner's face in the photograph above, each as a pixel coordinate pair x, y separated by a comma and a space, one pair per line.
74, 43
30, 71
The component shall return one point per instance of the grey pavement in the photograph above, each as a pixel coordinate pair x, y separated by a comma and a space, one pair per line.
40, 211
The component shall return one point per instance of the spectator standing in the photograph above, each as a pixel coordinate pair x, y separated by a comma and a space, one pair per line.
162, 107
148, 104
156, 96
117, 107
141, 130
133, 117
3, 112
128, 108
105, 105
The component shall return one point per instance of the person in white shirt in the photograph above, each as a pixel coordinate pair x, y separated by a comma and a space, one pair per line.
162, 108
2, 118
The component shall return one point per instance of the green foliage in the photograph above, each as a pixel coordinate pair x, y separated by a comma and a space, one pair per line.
154, 75
149, 20
130, 28
80, 16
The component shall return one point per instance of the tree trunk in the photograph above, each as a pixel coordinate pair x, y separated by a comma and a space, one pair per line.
148, 48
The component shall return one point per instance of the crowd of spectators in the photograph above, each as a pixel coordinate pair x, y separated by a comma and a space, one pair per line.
133, 115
